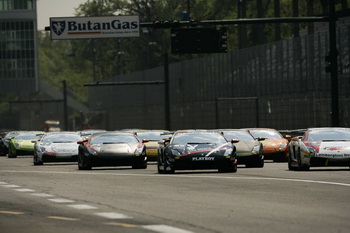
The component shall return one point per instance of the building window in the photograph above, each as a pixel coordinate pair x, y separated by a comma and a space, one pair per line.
6, 5
17, 50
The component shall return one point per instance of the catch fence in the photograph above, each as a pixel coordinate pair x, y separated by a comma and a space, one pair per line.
281, 85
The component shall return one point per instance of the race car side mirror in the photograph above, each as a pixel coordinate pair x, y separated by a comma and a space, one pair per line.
145, 140
82, 142
261, 139
234, 141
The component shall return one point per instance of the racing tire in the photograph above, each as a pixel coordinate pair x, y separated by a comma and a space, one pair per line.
168, 169
36, 160
231, 168
83, 164
257, 163
11, 155
160, 170
290, 167
140, 165
301, 167
3, 152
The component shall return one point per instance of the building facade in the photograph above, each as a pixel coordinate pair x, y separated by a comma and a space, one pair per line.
18, 47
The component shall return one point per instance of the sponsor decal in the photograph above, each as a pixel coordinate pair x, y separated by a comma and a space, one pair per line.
58, 27
94, 27
336, 148
203, 158
334, 155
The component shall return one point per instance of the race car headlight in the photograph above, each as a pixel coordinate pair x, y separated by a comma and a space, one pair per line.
228, 152
283, 145
311, 150
92, 151
43, 149
138, 151
256, 150
16, 145
175, 153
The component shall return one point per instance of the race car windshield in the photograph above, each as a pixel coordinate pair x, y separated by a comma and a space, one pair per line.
152, 136
27, 136
113, 139
270, 134
240, 135
60, 138
199, 138
10, 135
330, 135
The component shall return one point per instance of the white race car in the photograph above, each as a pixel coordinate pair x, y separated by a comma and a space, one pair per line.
56, 146
319, 147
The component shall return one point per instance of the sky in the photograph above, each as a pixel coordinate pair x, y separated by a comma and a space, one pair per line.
55, 8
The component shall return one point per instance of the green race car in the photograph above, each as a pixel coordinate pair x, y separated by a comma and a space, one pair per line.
22, 143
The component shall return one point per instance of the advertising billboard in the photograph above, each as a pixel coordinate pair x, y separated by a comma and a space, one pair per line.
68, 28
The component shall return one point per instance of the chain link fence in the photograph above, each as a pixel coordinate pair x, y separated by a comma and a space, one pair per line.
281, 85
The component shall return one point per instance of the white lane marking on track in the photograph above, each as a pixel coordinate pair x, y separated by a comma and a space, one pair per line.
10, 186
112, 215
1, 183
165, 229
24, 190
189, 176
61, 200
83, 207
42, 195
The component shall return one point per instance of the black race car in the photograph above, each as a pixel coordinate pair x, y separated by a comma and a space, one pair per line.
196, 149
112, 149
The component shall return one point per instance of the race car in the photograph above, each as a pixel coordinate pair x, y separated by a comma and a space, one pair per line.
196, 149
4, 143
114, 148
275, 146
319, 147
56, 147
152, 146
249, 151
86, 133
22, 143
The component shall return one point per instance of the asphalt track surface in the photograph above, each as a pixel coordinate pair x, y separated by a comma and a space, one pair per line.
57, 197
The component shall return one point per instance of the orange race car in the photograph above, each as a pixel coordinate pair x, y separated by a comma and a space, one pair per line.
276, 146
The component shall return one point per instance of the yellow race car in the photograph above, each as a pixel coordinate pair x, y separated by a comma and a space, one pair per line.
152, 146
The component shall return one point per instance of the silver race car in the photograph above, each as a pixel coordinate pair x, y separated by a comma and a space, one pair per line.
56, 146
320, 147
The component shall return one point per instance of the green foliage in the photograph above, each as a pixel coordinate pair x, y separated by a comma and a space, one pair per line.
83, 61
57, 63
5, 106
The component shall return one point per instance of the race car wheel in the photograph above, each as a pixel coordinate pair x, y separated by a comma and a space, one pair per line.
290, 167
168, 169
36, 160
230, 168
11, 154
160, 165
83, 162
258, 162
301, 167
140, 165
